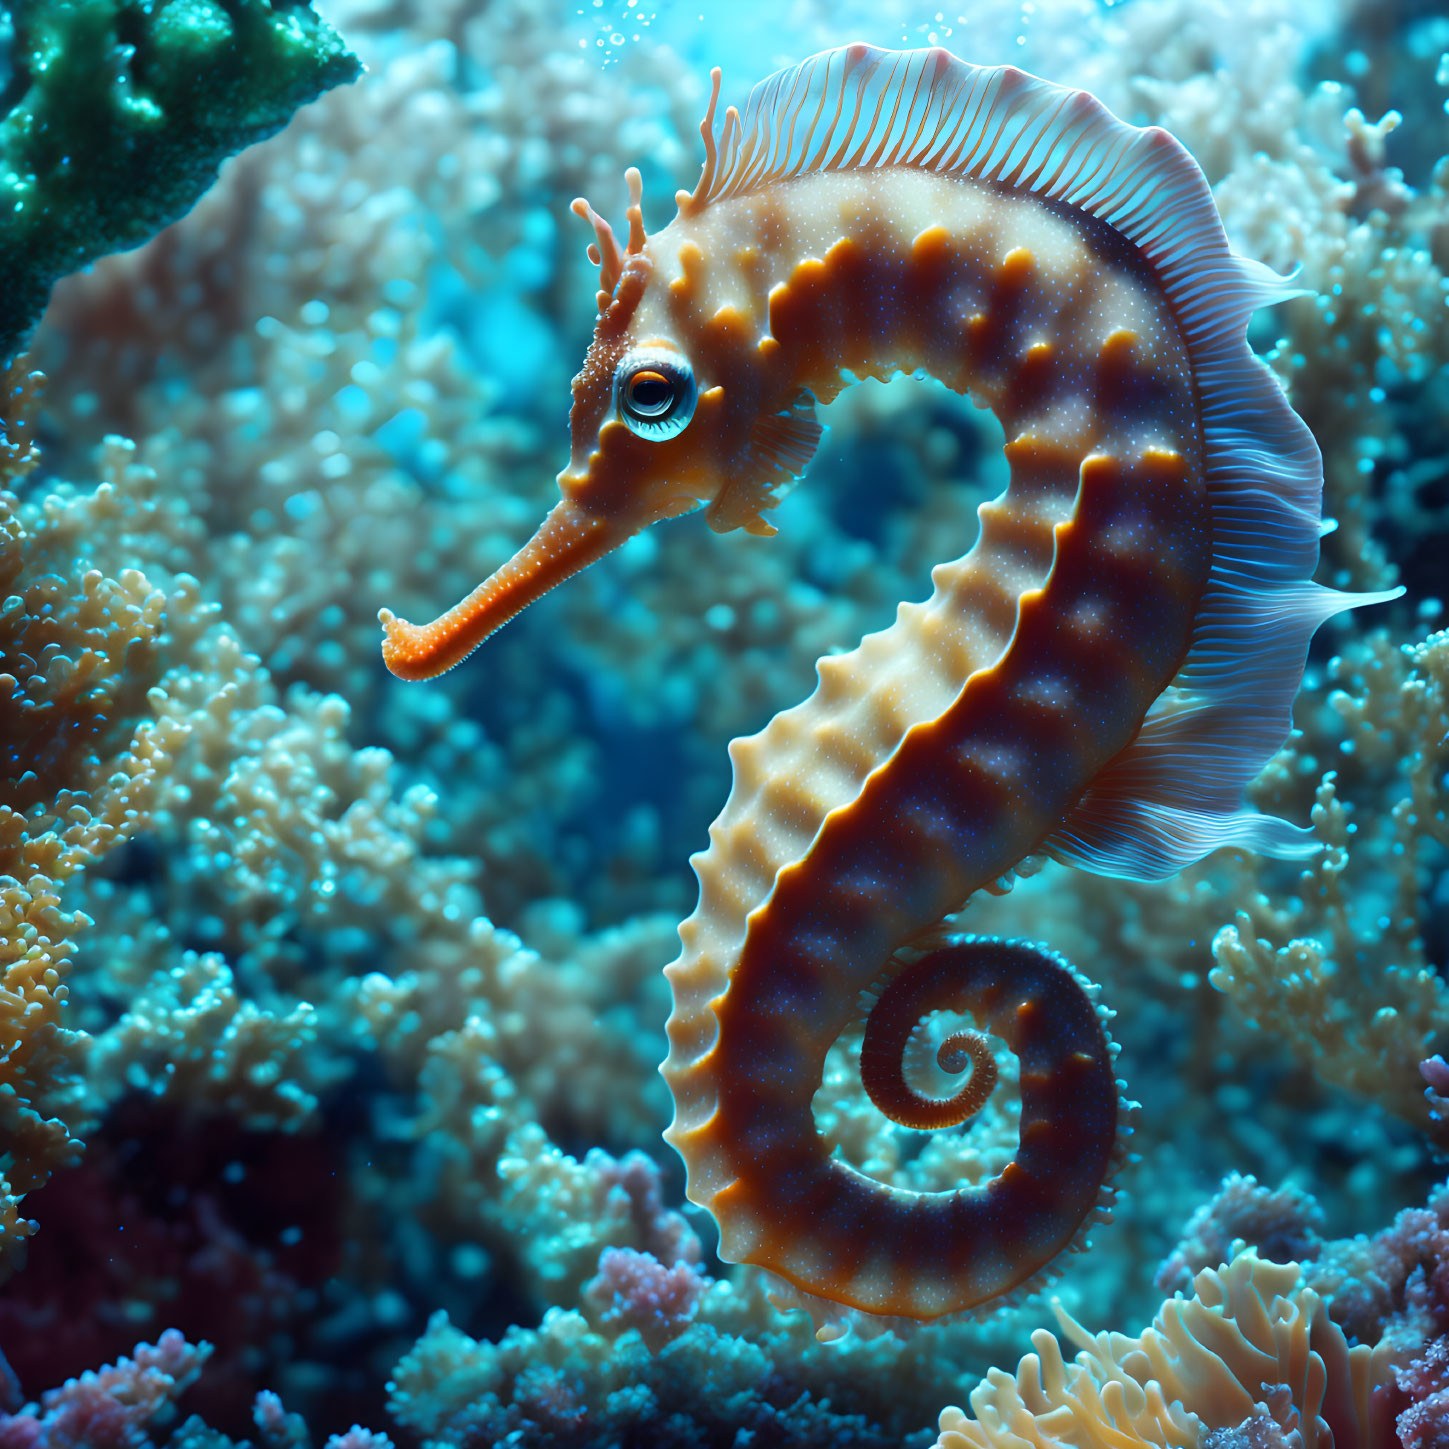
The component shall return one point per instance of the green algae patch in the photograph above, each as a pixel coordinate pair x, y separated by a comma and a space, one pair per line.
117, 114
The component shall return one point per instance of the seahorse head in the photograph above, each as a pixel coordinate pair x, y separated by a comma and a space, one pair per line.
677, 405
662, 409
685, 397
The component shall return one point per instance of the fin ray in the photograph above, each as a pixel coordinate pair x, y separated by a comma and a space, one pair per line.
1175, 794
781, 445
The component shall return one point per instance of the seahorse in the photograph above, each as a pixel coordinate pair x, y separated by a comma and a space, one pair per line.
1097, 681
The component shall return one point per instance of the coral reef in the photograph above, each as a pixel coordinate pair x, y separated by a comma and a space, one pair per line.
331, 1007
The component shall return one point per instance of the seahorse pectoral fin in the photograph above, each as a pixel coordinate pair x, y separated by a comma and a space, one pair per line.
780, 449
568, 540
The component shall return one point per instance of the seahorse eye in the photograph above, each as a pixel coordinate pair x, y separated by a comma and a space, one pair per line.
655, 393
651, 395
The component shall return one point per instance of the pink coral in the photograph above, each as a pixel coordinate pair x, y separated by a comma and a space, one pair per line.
636, 1290
359, 1438
278, 1428
111, 1407
1435, 1071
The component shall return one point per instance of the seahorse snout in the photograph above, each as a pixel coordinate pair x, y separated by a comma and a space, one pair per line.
568, 540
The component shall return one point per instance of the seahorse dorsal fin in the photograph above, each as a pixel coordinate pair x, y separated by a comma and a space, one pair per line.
857, 107
860, 108
780, 449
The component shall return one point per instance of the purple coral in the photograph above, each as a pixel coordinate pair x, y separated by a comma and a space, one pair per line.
1393, 1286
663, 1233
636, 1290
1260, 1430
112, 1407
1425, 1423
1283, 1224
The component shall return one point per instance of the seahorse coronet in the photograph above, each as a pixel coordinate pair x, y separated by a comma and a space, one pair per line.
1094, 684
